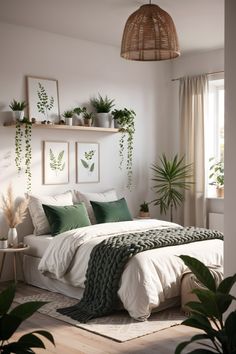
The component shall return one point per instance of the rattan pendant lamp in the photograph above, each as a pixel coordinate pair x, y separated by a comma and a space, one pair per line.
149, 35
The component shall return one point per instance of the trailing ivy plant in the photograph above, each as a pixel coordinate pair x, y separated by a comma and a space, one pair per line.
28, 149
124, 119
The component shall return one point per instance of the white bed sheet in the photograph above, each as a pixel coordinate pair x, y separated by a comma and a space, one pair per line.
38, 244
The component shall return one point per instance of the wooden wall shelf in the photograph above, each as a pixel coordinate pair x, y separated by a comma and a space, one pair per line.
70, 127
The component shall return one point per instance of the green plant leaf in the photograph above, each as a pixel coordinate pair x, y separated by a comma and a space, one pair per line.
92, 167
26, 310
29, 340
182, 345
84, 163
8, 326
223, 301
201, 271
6, 298
226, 285
230, 329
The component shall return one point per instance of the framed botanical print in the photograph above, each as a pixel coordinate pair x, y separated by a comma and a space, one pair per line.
55, 162
43, 99
87, 162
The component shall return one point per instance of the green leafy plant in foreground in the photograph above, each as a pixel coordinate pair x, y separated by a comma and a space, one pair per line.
11, 319
171, 178
207, 312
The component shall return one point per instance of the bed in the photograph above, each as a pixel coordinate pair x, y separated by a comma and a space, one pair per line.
150, 281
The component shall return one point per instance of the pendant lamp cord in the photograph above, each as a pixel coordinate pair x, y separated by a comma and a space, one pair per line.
150, 1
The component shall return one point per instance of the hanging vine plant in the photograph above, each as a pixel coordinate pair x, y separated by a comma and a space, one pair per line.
26, 134
124, 120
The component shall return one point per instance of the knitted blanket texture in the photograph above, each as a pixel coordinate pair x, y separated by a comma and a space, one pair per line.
108, 259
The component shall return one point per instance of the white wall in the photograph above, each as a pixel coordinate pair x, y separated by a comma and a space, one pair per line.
230, 141
83, 69
189, 65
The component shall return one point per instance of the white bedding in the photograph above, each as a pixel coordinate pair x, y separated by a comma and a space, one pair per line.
38, 244
149, 278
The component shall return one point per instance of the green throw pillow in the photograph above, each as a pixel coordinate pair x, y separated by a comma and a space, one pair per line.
111, 211
64, 218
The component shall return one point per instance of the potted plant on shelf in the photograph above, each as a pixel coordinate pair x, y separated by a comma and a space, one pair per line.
124, 120
14, 215
3, 243
218, 332
78, 111
217, 176
144, 210
171, 178
103, 107
88, 118
68, 115
18, 109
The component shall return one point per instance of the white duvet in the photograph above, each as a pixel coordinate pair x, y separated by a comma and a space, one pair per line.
150, 278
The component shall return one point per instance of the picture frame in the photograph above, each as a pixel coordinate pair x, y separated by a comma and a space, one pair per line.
43, 99
87, 162
55, 162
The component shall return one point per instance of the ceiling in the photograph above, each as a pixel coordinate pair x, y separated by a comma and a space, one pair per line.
199, 23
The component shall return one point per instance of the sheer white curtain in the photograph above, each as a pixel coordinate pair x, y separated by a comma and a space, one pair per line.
193, 104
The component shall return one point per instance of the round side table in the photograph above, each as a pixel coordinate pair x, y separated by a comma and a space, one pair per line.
16, 253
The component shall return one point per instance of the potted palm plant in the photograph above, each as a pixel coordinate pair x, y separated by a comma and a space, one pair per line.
171, 178
103, 107
217, 176
18, 109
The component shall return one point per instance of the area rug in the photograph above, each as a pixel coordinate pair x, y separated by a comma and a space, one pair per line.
119, 327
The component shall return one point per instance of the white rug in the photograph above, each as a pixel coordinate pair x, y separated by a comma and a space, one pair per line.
119, 327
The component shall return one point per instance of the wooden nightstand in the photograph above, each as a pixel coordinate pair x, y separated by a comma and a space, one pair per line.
16, 254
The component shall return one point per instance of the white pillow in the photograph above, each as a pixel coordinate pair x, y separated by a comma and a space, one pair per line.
108, 196
39, 219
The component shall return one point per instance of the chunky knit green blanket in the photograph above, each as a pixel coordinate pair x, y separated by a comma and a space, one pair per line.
108, 259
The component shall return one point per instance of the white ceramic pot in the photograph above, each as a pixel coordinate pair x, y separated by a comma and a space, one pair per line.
69, 121
18, 115
103, 120
3, 244
116, 124
12, 237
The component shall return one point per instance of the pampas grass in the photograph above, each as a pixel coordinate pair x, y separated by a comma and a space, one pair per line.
14, 214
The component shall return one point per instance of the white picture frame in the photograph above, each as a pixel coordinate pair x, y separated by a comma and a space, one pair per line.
55, 162
43, 99
87, 162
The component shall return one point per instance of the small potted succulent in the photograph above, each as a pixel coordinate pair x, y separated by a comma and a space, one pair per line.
216, 176
88, 118
3, 242
18, 109
144, 210
103, 107
68, 115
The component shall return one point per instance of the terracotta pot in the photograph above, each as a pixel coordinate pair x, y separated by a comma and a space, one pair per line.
144, 214
87, 122
220, 192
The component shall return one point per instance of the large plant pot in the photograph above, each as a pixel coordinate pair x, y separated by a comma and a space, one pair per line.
103, 120
18, 115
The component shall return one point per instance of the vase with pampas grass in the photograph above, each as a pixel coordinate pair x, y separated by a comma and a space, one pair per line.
14, 214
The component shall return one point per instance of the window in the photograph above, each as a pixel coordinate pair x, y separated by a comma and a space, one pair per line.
215, 137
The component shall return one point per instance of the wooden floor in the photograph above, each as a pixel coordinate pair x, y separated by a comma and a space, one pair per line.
72, 340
